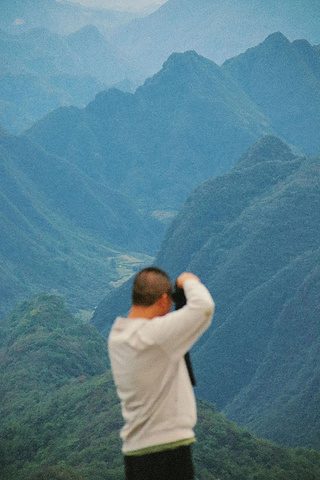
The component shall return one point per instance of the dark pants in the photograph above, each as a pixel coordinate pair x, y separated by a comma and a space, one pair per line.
173, 464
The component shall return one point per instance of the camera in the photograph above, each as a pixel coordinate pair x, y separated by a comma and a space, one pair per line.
178, 297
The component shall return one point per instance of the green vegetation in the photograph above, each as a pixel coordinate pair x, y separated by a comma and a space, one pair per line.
225, 452
60, 416
61, 231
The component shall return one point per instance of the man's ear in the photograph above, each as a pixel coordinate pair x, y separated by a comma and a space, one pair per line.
163, 299
162, 303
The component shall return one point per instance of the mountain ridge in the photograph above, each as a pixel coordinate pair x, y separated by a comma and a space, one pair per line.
296, 329
283, 79
176, 128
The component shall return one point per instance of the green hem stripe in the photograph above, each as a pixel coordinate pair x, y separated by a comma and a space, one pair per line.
162, 447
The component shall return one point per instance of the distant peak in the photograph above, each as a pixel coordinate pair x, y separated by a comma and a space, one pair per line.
107, 99
190, 57
89, 31
182, 66
303, 46
267, 149
181, 58
187, 54
276, 39
302, 42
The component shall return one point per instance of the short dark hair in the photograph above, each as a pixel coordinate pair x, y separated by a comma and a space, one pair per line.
149, 285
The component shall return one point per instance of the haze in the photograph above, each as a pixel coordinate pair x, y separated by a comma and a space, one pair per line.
132, 5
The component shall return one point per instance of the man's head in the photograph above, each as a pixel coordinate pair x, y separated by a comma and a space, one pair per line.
151, 294
149, 285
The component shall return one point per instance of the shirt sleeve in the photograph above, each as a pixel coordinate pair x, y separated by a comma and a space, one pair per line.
177, 331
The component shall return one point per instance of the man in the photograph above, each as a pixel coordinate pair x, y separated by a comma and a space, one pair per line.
147, 358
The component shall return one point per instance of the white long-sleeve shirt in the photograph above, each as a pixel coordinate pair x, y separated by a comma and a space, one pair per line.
147, 361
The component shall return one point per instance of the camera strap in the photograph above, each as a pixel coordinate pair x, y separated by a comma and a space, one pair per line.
190, 369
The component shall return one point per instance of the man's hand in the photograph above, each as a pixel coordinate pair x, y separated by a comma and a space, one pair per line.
185, 276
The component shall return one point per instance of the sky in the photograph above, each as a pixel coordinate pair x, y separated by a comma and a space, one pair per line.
131, 5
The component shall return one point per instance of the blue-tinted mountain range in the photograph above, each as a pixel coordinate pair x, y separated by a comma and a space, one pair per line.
88, 192
186, 124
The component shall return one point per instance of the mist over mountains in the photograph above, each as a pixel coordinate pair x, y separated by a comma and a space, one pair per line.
64, 17
217, 29
68, 65
41, 70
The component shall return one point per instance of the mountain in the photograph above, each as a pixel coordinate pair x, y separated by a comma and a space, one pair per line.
130, 52
60, 416
258, 229
217, 29
179, 124
252, 237
62, 17
187, 123
283, 80
26, 98
98, 57
42, 71
192, 120
293, 357
61, 230
65, 396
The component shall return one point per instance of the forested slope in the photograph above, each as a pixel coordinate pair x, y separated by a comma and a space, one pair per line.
60, 417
